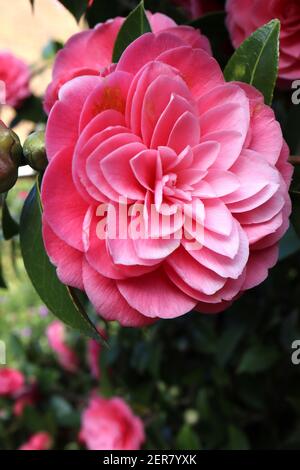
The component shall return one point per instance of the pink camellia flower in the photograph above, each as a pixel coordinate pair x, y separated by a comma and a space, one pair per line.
26, 396
197, 8
15, 75
39, 441
167, 188
11, 381
56, 337
90, 52
93, 354
245, 16
109, 424
20, 405
94, 349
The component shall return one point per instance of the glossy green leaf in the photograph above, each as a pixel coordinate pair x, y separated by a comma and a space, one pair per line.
10, 227
134, 26
258, 359
256, 60
30, 110
60, 299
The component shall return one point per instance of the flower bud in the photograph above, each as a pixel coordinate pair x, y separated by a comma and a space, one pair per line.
35, 152
10, 157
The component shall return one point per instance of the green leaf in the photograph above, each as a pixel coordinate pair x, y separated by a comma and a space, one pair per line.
187, 439
213, 26
76, 7
134, 26
10, 227
60, 299
51, 49
31, 110
64, 413
237, 439
99, 11
258, 359
256, 60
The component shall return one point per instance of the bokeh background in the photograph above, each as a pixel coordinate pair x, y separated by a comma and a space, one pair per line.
197, 382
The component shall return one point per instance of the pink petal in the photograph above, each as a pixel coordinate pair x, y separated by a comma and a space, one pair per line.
111, 93
64, 209
186, 131
62, 132
258, 266
222, 182
112, 147
200, 71
138, 88
222, 265
176, 107
108, 301
156, 99
118, 172
155, 295
230, 143
194, 274
146, 49
218, 218
67, 260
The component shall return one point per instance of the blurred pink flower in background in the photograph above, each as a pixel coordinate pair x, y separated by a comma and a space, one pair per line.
109, 424
90, 52
56, 334
39, 441
93, 355
20, 405
196, 8
15, 74
11, 381
245, 16
28, 395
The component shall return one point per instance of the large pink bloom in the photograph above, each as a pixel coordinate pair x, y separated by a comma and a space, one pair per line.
245, 16
111, 425
166, 132
56, 337
15, 74
90, 52
11, 381
39, 441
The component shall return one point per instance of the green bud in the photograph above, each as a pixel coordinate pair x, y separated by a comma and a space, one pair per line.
10, 145
8, 174
35, 152
10, 157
